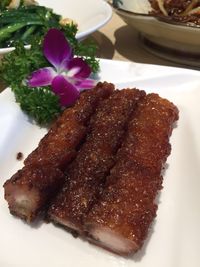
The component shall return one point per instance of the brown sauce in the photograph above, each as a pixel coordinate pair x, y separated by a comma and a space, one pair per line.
19, 156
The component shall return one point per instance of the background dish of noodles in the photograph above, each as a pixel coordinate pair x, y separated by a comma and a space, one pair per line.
162, 30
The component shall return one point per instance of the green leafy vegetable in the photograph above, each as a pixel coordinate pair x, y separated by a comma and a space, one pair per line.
27, 22
40, 103
4, 4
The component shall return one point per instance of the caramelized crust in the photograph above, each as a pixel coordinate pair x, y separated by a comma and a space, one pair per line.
58, 147
87, 173
120, 220
42, 176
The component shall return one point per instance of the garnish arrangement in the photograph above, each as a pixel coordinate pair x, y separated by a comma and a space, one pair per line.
68, 76
50, 75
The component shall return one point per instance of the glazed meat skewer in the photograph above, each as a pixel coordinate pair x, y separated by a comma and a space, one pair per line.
120, 220
30, 189
86, 175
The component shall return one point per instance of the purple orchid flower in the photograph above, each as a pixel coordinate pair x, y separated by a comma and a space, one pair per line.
69, 74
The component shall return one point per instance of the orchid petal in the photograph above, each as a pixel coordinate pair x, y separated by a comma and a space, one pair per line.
68, 92
56, 48
79, 68
41, 77
64, 65
85, 84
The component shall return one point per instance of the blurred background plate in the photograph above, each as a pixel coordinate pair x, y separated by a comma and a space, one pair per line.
90, 15
171, 40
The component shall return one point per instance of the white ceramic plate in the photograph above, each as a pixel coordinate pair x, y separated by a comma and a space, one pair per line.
90, 15
174, 41
175, 238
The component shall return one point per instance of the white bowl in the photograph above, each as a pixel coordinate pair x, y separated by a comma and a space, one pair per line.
90, 15
172, 40
138, 6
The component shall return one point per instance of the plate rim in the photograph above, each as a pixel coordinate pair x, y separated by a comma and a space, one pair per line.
161, 19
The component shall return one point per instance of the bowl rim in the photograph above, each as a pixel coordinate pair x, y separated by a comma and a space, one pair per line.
159, 18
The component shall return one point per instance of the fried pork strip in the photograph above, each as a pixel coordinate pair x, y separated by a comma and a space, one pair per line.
30, 189
87, 173
58, 147
120, 220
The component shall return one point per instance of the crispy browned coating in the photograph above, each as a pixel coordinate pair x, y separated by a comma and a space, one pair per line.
42, 173
58, 147
120, 220
87, 172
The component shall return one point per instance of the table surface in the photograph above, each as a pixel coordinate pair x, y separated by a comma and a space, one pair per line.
117, 40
